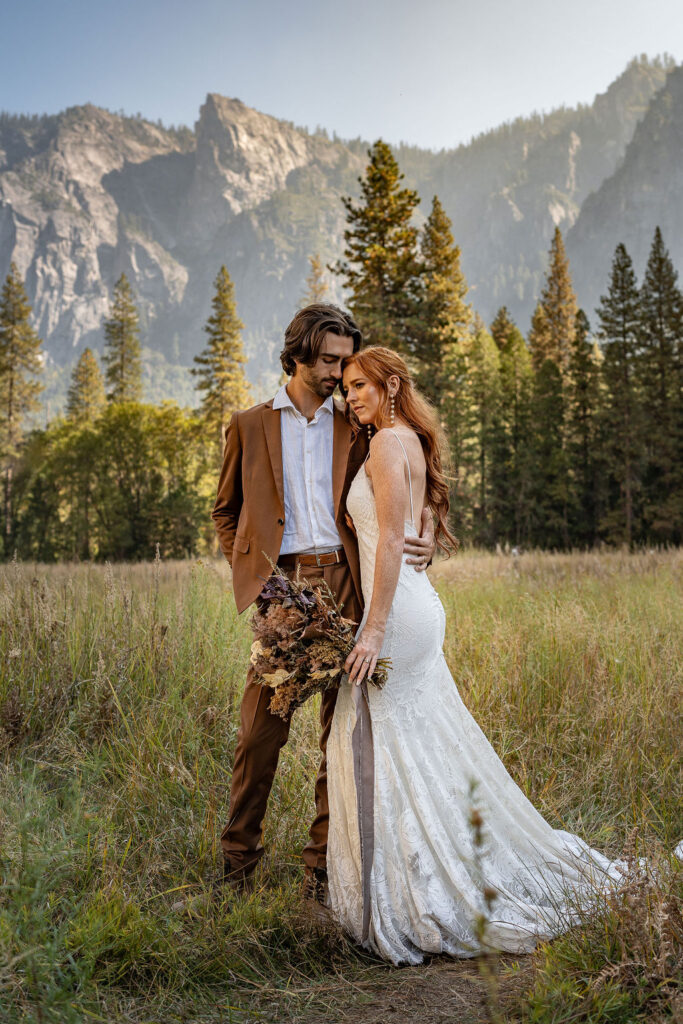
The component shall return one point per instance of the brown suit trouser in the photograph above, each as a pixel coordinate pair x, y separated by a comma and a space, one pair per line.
260, 738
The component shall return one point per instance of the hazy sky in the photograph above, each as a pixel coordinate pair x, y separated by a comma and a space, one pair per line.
430, 72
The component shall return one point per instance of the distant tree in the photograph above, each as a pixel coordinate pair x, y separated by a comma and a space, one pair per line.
511, 479
553, 322
147, 481
220, 366
660, 381
502, 327
583, 406
122, 354
471, 406
316, 285
444, 314
620, 320
550, 490
75, 452
381, 269
457, 422
137, 476
37, 527
19, 363
86, 398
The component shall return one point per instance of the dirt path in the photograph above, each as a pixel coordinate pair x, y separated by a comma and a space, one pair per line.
439, 992
442, 991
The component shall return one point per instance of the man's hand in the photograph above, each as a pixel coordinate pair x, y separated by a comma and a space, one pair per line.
422, 548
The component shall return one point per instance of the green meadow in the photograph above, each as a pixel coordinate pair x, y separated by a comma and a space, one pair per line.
119, 700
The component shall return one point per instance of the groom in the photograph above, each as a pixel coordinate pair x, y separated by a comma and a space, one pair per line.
287, 466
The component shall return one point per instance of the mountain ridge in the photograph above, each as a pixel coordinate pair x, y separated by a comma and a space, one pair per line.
88, 194
644, 192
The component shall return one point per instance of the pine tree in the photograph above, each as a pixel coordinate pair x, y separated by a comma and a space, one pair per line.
19, 362
316, 286
445, 317
220, 365
122, 354
552, 325
583, 396
86, 398
86, 401
550, 494
456, 420
659, 378
619, 315
502, 327
381, 269
510, 460
470, 407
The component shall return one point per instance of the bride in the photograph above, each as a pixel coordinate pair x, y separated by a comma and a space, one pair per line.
405, 877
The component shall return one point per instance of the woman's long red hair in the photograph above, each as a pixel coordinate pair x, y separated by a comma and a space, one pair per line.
378, 364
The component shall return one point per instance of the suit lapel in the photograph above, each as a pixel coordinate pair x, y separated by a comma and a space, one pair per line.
271, 428
341, 443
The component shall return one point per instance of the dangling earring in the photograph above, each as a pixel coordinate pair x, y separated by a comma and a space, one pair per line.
391, 412
369, 432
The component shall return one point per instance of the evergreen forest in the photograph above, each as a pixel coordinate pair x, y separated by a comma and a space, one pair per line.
568, 437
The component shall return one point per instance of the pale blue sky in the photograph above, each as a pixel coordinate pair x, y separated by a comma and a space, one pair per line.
429, 72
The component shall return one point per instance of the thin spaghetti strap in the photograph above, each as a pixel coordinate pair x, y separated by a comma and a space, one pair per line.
410, 481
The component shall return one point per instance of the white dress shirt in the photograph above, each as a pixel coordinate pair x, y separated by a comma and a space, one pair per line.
307, 477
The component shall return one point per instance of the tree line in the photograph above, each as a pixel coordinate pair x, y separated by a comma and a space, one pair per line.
114, 477
570, 437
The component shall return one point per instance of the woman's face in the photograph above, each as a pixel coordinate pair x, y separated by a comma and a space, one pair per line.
362, 395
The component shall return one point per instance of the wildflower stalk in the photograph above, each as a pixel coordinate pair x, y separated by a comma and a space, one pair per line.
488, 961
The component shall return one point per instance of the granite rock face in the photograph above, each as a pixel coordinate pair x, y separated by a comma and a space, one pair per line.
508, 189
88, 194
645, 191
63, 228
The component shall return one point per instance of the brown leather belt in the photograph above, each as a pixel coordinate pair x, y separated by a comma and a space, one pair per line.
329, 558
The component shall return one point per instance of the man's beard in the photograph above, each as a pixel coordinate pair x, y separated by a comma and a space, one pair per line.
323, 388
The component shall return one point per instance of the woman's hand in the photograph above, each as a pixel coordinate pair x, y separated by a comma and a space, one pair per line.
363, 658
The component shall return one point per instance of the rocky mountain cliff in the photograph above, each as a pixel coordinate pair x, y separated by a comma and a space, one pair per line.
87, 194
645, 191
508, 189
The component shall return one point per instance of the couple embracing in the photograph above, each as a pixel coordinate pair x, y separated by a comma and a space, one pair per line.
356, 494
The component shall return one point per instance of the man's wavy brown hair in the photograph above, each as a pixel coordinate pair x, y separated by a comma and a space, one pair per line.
304, 336
378, 364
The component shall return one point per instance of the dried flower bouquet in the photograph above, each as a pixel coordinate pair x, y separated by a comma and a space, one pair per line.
301, 641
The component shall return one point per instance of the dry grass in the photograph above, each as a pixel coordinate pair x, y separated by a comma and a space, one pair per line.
118, 697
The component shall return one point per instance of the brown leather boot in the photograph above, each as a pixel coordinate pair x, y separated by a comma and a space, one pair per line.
226, 884
315, 888
236, 879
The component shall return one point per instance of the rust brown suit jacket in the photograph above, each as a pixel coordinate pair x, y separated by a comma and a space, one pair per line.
249, 513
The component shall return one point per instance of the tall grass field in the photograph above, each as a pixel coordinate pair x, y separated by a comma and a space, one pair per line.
119, 699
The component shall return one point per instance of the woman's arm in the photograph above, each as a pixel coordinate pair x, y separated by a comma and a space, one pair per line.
387, 468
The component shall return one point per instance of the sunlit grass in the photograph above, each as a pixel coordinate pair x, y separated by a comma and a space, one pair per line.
119, 697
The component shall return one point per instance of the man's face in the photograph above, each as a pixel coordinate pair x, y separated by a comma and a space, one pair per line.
323, 377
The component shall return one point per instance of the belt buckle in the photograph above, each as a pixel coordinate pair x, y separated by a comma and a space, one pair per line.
326, 554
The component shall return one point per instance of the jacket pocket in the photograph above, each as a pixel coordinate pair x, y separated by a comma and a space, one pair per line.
241, 544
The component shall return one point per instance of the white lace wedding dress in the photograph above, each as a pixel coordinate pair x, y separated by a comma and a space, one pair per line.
404, 876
